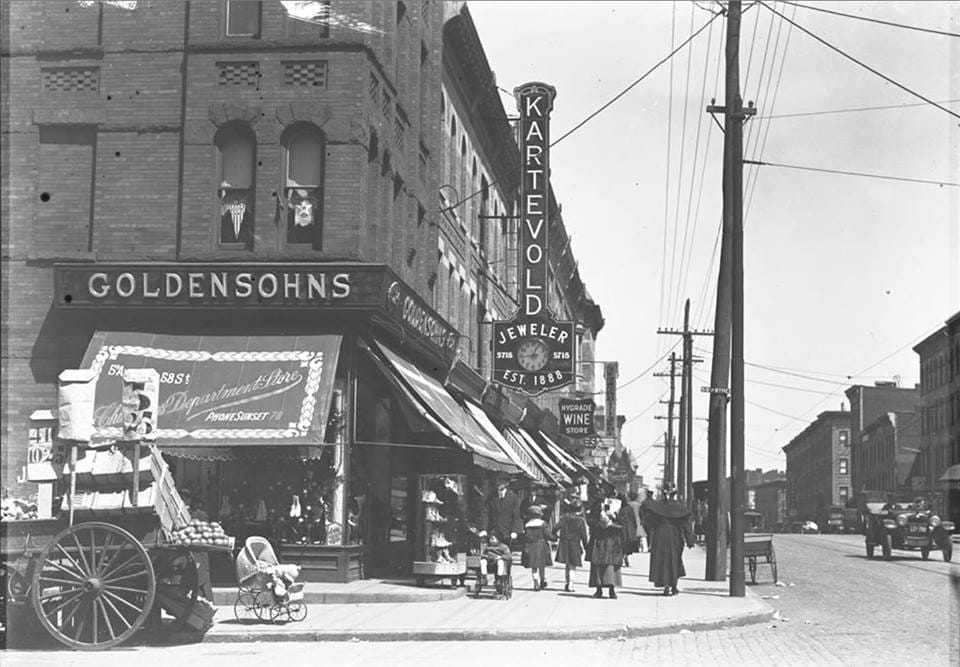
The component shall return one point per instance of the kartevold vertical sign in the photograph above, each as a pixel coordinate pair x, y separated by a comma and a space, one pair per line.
533, 352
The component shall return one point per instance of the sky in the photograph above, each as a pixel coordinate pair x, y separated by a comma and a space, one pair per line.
843, 274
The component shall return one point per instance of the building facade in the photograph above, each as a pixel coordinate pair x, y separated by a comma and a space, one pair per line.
769, 499
888, 448
819, 465
936, 416
249, 196
867, 404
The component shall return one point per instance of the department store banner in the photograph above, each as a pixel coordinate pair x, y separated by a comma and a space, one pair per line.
219, 390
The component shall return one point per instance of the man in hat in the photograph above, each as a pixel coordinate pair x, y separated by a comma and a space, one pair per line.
501, 512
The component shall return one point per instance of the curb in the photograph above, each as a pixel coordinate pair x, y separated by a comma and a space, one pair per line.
226, 598
475, 634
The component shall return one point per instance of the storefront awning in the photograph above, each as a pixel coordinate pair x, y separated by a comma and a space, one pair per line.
436, 401
517, 454
220, 390
551, 469
564, 457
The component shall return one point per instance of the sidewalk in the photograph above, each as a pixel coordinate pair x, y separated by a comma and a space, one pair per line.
550, 614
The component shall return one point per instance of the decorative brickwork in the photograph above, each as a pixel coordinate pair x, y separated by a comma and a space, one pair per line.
311, 73
239, 74
69, 80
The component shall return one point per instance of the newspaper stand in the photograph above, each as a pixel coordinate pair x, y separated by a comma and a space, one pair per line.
108, 563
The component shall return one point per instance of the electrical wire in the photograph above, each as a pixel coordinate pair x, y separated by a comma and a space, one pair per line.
665, 286
873, 20
859, 62
852, 173
851, 110
632, 85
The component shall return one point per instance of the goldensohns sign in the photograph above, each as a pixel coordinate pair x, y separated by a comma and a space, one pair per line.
219, 390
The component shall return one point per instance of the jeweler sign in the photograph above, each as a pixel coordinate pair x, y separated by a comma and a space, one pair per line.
576, 417
533, 352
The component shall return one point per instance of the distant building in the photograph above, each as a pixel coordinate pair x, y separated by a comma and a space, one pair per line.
770, 499
936, 417
888, 448
867, 404
818, 466
952, 487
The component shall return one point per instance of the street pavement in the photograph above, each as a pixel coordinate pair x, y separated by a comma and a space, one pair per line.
549, 614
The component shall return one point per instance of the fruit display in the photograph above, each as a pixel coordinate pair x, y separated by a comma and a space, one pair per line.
199, 533
16, 509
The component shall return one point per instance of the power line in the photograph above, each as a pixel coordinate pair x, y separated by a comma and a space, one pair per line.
859, 62
651, 367
873, 20
851, 110
852, 173
631, 86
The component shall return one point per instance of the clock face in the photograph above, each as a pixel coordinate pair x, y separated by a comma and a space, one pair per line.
533, 354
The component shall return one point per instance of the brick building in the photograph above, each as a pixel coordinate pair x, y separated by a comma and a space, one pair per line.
200, 182
867, 404
888, 447
936, 419
819, 466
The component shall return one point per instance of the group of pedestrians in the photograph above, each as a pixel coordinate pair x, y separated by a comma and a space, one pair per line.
605, 534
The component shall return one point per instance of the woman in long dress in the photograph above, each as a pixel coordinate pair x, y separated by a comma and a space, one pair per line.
536, 549
669, 528
606, 554
571, 532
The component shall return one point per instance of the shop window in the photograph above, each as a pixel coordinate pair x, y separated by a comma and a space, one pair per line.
243, 18
302, 201
236, 153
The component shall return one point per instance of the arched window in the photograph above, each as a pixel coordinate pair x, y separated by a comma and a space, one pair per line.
304, 151
236, 166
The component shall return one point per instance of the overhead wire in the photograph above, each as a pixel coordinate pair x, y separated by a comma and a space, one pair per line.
664, 289
850, 110
843, 172
859, 62
873, 20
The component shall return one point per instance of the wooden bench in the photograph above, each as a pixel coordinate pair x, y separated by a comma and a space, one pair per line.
759, 546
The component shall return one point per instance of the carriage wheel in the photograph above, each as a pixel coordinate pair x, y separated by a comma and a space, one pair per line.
247, 607
178, 586
93, 586
297, 610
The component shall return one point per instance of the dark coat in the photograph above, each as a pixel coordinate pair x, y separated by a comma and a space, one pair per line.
536, 549
606, 545
571, 531
669, 529
503, 514
628, 519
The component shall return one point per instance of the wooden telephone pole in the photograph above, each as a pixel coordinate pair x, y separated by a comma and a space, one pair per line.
685, 449
668, 452
729, 333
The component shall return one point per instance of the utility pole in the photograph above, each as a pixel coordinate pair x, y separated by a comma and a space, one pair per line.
729, 333
685, 449
668, 445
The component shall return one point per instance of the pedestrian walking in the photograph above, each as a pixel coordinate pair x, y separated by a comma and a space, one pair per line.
669, 529
645, 518
536, 548
572, 536
640, 544
501, 513
628, 519
606, 554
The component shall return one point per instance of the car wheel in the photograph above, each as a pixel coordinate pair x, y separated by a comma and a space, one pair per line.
948, 552
869, 550
925, 552
887, 547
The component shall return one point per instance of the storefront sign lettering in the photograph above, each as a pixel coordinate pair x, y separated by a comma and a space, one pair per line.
204, 286
420, 319
576, 417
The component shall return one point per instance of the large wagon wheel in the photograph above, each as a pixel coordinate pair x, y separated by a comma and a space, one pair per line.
178, 586
93, 586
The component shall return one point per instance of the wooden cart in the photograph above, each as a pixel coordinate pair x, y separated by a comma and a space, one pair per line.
95, 581
759, 546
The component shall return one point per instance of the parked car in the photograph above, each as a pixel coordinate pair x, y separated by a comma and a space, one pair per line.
803, 527
909, 526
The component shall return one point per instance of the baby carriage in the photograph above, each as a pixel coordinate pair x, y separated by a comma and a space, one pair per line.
502, 579
267, 589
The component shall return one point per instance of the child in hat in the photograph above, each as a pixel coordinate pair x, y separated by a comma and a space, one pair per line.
536, 549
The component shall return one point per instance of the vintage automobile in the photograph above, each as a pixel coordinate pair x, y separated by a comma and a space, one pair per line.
910, 526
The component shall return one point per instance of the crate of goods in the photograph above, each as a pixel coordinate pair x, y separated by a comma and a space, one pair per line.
202, 535
83, 502
446, 569
144, 502
201, 614
109, 502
